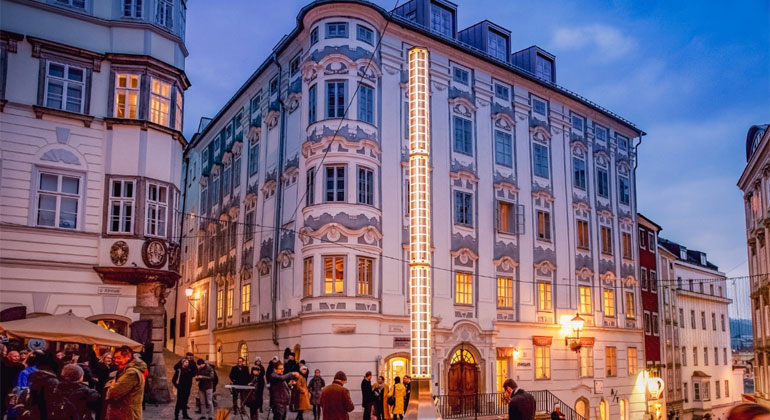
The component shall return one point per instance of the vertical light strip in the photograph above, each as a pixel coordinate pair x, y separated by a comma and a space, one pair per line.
419, 212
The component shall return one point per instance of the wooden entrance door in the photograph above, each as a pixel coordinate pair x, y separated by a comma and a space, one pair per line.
463, 381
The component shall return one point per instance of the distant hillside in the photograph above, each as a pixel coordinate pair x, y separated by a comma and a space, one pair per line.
741, 334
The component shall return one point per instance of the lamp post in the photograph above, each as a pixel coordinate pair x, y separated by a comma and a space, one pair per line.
573, 342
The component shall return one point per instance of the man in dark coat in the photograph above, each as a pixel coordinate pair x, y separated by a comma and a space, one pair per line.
182, 381
280, 394
239, 375
522, 403
367, 395
10, 367
83, 399
408, 386
291, 364
335, 399
42, 386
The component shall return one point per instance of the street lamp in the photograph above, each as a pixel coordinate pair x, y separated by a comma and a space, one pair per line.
576, 324
188, 292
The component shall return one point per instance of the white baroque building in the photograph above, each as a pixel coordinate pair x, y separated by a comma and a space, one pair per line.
91, 99
296, 224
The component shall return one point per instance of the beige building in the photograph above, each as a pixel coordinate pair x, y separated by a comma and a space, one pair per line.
91, 94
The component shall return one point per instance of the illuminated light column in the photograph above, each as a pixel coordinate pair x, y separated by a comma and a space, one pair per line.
419, 213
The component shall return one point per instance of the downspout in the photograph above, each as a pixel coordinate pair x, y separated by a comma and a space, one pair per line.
278, 203
182, 214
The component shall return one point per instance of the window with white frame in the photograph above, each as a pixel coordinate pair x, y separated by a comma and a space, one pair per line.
58, 200
156, 209
543, 225
246, 298
502, 92
582, 234
460, 75
164, 13
365, 186
463, 136
79, 4
503, 148
633, 362
584, 300
463, 208
122, 201
307, 277
132, 8
365, 276
577, 122
622, 142
364, 34
314, 36
544, 299
253, 158
542, 362
463, 288
227, 174
586, 362
579, 173
624, 190
626, 241
504, 292
609, 303
337, 30
312, 104
334, 274
310, 187
366, 104
335, 99
248, 225
602, 183
160, 102
237, 171
606, 233
539, 106
65, 87
294, 65
126, 95
600, 133
335, 183
274, 86
540, 160
505, 217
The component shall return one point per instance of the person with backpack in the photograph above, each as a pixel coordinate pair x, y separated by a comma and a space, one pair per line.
43, 396
80, 398
125, 394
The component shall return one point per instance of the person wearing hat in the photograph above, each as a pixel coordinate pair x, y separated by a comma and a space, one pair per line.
335, 399
84, 399
255, 397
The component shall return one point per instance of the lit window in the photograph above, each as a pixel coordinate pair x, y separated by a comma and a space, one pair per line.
460, 76
230, 301
602, 183
307, 277
626, 245
220, 304
364, 34
179, 108
543, 68
440, 20
727, 388
365, 186
463, 208
504, 292
542, 362
366, 104
65, 87
164, 13
579, 171
334, 274
586, 362
501, 373
609, 303
633, 362
58, 200
543, 225
156, 210
503, 148
464, 288
630, 306
497, 47
122, 206
160, 99
606, 240
246, 298
126, 95
505, 222
544, 296
582, 234
335, 183
365, 276
335, 99
540, 157
337, 30
132, 8
463, 136
611, 361
585, 299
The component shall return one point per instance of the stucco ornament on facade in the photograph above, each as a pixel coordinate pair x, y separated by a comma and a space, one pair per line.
154, 253
584, 273
505, 263
334, 231
545, 267
464, 255
608, 278
119, 253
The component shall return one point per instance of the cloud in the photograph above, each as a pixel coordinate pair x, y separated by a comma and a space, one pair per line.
607, 42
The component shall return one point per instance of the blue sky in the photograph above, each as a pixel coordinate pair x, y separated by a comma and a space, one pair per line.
693, 75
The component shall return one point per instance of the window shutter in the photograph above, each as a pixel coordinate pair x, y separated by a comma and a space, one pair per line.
512, 219
497, 215
520, 219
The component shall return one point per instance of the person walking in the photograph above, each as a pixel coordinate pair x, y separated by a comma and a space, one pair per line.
182, 381
84, 400
335, 399
125, 394
315, 387
239, 375
522, 403
302, 400
367, 395
205, 378
280, 394
397, 399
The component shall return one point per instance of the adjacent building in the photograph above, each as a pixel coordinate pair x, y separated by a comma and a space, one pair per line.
754, 183
91, 100
296, 225
648, 279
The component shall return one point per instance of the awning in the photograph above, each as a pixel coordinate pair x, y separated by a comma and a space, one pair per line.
67, 328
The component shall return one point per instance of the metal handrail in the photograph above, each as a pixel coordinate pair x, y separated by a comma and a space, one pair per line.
492, 404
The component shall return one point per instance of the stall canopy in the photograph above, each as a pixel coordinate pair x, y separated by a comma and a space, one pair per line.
68, 328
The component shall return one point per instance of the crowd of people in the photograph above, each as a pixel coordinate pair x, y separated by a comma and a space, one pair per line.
72, 384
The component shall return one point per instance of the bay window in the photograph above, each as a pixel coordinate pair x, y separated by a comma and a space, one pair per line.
335, 183
164, 13
160, 101
334, 274
122, 200
126, 95
365, 276
132, 8
156, 210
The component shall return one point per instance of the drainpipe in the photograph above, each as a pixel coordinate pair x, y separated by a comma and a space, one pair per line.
278, 203
185, 169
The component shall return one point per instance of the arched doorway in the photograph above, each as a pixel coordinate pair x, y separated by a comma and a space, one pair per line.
396, 365
604, 410
462, 380
582, 408
219, 355
243, 351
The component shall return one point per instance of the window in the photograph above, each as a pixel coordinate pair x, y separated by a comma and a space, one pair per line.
577, 122
337, 30
335, 183
626, 245
543, 225
335, 99
647, 324
160, 98
624, 190
717, 390
80, 4
579, 173
230, 301
582, 234
644, 278
179, 110
227, 176
542, 362
539, 106
703, 319
543, 68
131, 8
611, 361
632, 361
684, 356
642, 238
463, 288
586, 362
274, 86
314, 36
540, 156
246, 298
722, 319
695, 356
365, 186
294, 65
705, 356
502, 92
686, 394
65, 87
460, 76
504, 292
503, 148
204, 199
544, 296
716, 356
311, 103
585, 299
366, 104
463, 136
654, 282
248, 225
501, 372
236, 171
651, 241
497, 46
505, 223
606, 240
121, 206
365, 273
630, 305
655, 323
156, 210
164, 13
220, 304
713, 321
441, 20
58, 200
706, 391
365, 34
600, 132
463, 208
622, 142
126, 95
692, 319
307, 277
681, 318
253, 158
602, 183
609, 303
310, 187
696, 390
727, 388
334, 274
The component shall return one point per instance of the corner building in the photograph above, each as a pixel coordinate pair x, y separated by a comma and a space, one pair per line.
297, 224
91, 104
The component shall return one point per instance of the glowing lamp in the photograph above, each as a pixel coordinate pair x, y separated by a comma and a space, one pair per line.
655, 387
188, 292
577, 323
516, 354
573, 342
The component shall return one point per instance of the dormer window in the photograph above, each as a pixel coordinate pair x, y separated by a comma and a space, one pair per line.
440, 20
496, 46
683, 254
703, 259
543, 68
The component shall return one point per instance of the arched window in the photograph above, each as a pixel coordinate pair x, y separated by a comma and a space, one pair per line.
581, 407
243, 351
462, 355
623, 410
604, 410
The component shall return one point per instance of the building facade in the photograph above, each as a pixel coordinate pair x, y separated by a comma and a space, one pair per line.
648, 280
91, 94
754, 183
296, 215
710, 385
